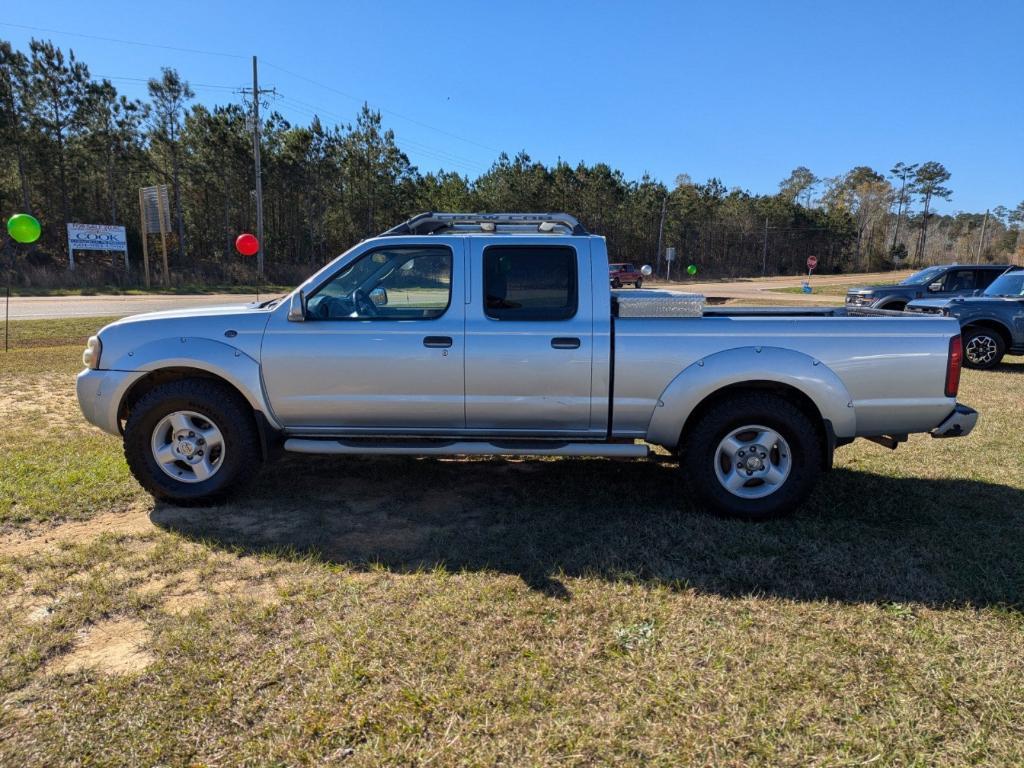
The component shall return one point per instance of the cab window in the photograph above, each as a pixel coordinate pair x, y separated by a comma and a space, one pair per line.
530, 282
408, 283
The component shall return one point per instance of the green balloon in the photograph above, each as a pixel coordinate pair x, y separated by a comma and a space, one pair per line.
24, 228
692, 269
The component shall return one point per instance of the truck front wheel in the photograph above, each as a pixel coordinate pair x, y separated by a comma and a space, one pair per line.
191, 441
753, 456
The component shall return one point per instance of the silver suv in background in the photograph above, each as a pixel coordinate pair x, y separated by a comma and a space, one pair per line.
939, 282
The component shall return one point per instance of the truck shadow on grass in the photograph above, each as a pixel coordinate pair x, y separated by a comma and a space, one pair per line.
861, 537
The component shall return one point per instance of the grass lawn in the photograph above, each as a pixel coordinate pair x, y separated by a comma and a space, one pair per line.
829, 289
401, 611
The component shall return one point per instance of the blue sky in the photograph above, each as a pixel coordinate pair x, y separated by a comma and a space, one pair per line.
744, 91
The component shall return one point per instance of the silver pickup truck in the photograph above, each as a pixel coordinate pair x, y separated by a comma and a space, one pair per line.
483, 334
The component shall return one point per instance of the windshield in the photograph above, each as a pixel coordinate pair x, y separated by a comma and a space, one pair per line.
1010, 284
924, 276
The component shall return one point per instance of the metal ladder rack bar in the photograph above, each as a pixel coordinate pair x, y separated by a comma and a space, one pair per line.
428, 223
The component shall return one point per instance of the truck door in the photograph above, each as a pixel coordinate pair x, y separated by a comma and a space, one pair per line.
382, 347
529, 336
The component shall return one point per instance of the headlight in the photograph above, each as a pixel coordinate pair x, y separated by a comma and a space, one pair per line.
91, 355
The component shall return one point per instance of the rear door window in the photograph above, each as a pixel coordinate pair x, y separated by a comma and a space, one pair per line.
960, 280
985, 277
530, 282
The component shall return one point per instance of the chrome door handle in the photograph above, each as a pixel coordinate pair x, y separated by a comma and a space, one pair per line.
437, 341
565, 342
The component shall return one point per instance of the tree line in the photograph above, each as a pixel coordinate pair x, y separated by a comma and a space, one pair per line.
74, 150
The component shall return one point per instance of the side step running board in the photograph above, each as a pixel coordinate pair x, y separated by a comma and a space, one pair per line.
465, 448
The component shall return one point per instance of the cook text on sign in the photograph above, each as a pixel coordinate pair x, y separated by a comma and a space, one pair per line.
96, 237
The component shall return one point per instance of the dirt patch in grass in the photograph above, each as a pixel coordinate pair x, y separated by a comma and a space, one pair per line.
36, 538
116, 647
191, 590
35, 399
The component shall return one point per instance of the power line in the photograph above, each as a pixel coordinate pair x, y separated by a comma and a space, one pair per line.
428, 149
391, 112
147, 79
223, 54
433, 152
122, 41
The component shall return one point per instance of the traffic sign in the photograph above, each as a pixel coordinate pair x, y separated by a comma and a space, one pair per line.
812, 262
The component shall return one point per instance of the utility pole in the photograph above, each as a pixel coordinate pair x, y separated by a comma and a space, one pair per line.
661, 229
256, 92
981, 240
764, 253
256, 159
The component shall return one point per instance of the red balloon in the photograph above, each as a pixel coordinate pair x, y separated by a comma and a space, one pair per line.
247, 244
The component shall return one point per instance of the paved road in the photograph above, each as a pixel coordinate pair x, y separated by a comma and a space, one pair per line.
29, 308
48, 307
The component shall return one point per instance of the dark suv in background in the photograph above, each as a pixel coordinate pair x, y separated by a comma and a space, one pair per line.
934, 282
992, 323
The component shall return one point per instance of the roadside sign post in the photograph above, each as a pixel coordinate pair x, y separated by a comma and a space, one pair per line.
812, 262
96, 237
155, 217
163, 239
144, 232
670, 256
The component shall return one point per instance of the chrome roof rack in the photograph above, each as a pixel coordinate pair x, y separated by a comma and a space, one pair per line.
430, 223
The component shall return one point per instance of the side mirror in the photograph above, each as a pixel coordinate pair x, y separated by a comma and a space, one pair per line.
935, 287
646, 270
379, 296
297, 307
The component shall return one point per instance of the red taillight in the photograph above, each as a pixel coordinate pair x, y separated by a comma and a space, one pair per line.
956, 358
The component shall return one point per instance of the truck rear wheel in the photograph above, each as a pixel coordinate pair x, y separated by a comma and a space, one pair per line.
983, 348
753, 456
191, 441
639, 283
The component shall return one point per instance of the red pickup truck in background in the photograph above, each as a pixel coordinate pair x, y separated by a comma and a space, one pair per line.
622, 273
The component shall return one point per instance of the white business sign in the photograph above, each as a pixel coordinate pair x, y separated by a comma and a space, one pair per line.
96, 237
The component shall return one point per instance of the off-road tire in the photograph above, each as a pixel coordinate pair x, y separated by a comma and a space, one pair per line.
993, 342
616, 283
700, 450
638, 284
212, 399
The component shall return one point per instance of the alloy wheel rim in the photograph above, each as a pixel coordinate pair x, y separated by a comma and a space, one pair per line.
981, 349
753, 461
188, 446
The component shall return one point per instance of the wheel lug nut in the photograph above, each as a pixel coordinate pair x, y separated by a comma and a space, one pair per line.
191, 433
